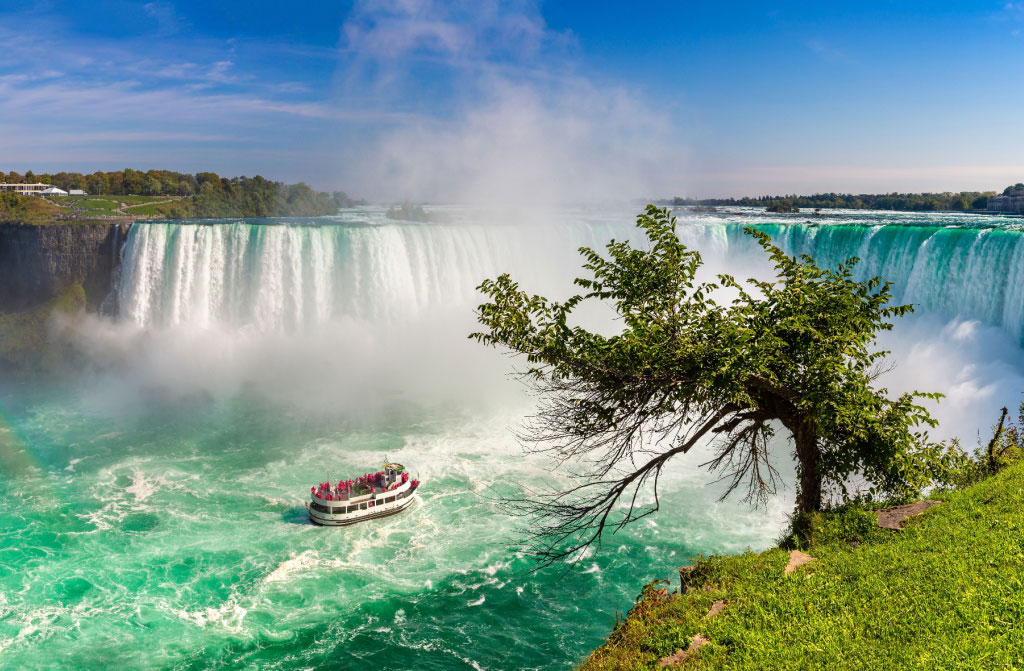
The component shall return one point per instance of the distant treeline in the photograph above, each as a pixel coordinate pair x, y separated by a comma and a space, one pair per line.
205, 194
924, 202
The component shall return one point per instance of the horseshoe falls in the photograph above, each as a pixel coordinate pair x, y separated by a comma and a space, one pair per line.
293, 277
151, 509
975, 273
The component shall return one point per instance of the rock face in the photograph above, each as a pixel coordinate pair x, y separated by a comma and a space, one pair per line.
38, 262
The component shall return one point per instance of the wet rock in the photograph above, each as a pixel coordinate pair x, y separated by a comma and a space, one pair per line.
37, 262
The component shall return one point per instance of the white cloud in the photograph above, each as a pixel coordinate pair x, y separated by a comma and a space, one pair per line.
166, 16
387, 30
828, 52
519, 125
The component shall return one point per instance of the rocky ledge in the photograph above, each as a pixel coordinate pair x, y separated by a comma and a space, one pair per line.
38, 263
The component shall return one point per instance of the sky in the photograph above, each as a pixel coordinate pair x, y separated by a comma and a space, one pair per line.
483, 100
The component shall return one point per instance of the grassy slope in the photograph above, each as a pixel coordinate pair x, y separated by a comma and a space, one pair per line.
31, 211
37, 211
944, 593
157, 208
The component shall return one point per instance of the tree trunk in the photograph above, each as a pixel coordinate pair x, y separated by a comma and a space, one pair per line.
809, 497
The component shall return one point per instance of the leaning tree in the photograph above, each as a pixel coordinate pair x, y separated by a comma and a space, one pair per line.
794, 353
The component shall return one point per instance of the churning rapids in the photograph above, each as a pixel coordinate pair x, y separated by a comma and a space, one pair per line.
151, 511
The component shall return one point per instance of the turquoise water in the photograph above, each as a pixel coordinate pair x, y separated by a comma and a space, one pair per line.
176, 538
151, 509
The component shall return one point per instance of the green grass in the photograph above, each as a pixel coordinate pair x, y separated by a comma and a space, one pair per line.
30, 210
151, 208
138, 200
944, 593
88, 203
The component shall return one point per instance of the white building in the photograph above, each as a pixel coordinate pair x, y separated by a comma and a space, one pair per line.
77, 192
53, 191
26, 189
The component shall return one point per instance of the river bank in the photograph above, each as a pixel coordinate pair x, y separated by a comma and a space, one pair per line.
942, 593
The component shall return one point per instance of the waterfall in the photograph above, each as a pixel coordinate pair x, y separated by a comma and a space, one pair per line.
286, 277
971, 273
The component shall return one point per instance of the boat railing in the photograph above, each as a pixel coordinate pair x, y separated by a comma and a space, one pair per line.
344, 507
364, 498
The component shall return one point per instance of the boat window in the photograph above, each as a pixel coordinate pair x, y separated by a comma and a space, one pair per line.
389, 499
362, 506
319, 508
338, 511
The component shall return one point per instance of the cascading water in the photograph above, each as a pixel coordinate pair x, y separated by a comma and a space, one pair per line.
279, 277
152, 515
290, 277
975, 273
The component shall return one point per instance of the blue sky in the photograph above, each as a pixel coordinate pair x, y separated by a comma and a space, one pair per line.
451, 101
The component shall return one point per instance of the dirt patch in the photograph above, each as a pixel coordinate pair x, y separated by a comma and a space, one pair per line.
679, 656
716, 608
892, 518
796, 560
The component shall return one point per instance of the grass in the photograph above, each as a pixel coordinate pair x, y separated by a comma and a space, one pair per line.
152, 208
37, 211
944, 593
29, 210
90, 204
139, 200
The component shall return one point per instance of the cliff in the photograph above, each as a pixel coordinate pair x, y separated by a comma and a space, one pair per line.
38, 263
46, 271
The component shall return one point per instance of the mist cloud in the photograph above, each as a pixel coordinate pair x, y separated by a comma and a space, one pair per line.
497, 111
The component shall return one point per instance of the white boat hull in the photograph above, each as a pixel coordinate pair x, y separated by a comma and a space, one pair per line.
318, 510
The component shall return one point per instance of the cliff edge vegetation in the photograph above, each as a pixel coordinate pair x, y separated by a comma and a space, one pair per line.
163, 194
26, 209
944, 592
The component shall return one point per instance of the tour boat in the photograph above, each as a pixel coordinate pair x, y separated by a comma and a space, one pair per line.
386, 492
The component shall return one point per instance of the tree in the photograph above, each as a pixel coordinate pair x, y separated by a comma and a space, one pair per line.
782, 207
794, 352
134, 182
961, 203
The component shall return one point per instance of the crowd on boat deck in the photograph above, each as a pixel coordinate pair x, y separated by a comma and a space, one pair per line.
343, 488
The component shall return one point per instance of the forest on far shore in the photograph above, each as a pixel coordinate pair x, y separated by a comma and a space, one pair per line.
912, 202
204, 194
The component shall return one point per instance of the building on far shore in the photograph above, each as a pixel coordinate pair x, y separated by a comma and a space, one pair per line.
26, 189
1012, 201
40, 189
